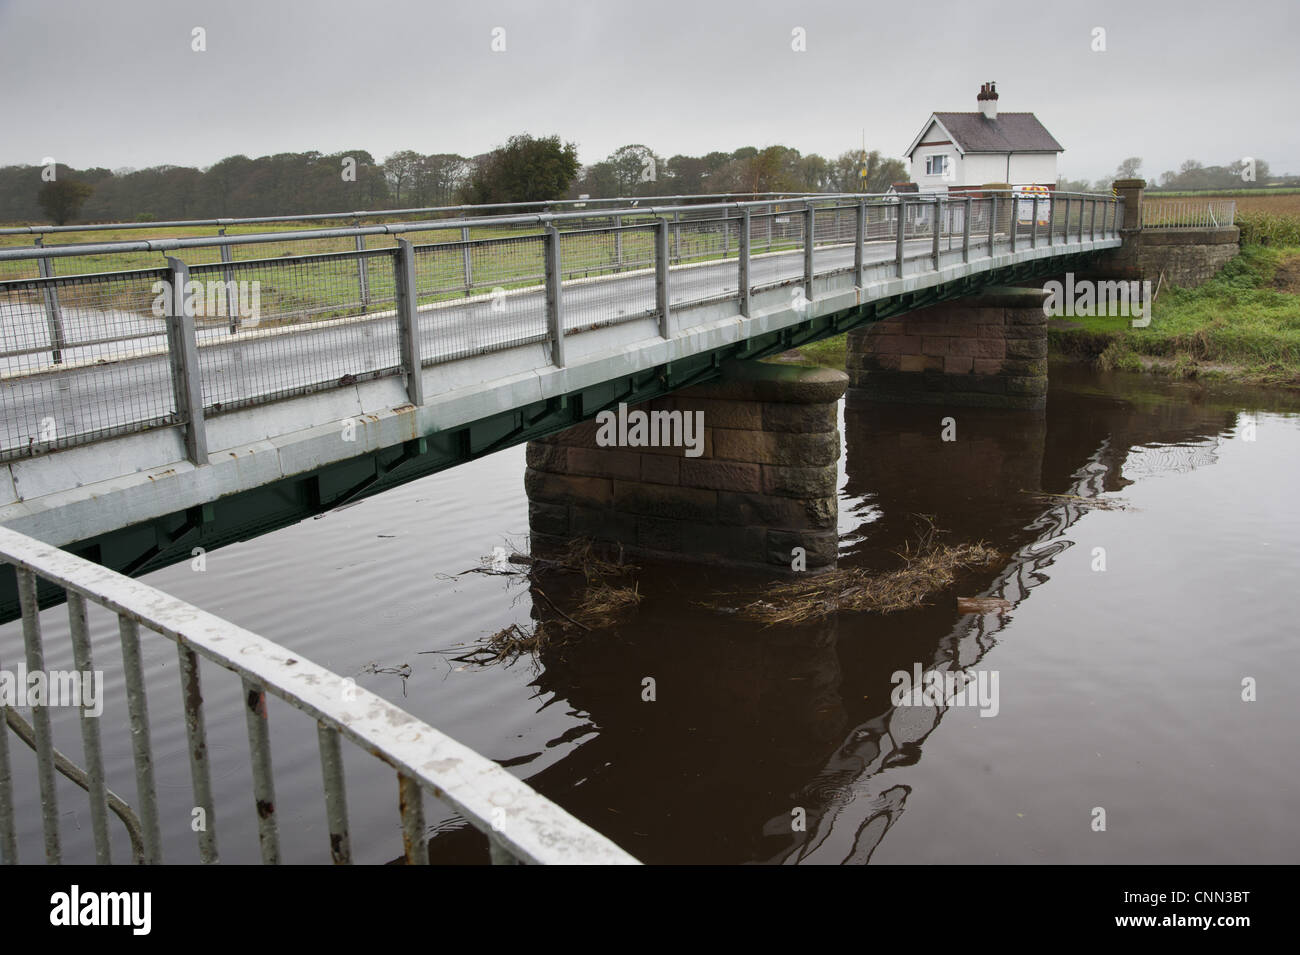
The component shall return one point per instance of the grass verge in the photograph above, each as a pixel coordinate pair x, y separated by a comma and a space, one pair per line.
1243, 325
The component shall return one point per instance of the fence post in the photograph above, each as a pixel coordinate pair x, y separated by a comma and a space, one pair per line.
554, 301
466, 266
1051, 220
726, 233
53, 314
183, 356
363, 273
993, 222
859, 266
899, 242
228, 277
677, 238
1015, 218
742, 258
8, 837
938, 229
40, 716
769, 227
1033, 228
408, 322
618, 243
967, 208
809, 237
661, 276
1092, 220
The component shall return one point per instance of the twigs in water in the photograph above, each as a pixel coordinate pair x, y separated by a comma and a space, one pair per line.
1099, 503
857, 589
601, 604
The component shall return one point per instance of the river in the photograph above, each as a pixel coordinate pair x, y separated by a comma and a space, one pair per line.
1120, 734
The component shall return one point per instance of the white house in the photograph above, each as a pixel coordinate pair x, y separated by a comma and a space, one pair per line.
956, 152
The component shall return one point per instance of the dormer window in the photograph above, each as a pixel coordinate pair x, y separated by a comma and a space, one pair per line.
935, 165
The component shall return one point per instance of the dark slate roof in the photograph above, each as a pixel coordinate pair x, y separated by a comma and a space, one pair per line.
1018, 132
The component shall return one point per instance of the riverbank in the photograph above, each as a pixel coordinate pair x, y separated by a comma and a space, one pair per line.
1242, 326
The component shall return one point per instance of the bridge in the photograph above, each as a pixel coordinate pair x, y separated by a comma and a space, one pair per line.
151, 409
139, 425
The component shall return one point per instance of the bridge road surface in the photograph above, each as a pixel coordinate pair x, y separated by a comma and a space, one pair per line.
83, 400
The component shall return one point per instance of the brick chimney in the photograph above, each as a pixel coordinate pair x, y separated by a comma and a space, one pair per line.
988, 100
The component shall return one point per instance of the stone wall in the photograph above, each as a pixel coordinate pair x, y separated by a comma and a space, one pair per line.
764, 484
987, 350
1186, 257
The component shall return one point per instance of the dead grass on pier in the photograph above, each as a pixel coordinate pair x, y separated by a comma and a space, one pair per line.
925, 572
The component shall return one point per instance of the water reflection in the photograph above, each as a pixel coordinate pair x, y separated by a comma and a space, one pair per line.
752, 729
755, 729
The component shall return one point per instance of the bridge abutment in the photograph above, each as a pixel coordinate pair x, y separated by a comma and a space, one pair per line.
762, 483
986, 350
1186, 256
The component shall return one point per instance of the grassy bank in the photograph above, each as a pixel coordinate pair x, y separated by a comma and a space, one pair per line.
1243, 325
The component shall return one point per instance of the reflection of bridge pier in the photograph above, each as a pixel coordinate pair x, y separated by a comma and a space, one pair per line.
741, 717
750, 724
857, 795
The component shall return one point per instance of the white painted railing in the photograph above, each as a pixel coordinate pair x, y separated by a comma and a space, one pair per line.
520, 825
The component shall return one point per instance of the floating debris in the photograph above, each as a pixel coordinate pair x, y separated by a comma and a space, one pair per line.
1100, 503
600, 603
982, 605
404, 671
925, 572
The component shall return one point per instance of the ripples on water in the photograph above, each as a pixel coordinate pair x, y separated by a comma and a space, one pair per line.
1118, 689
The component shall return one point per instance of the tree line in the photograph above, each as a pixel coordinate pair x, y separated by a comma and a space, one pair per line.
525, 168
1192, 175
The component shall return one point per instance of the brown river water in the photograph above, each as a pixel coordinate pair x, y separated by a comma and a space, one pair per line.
1118, 689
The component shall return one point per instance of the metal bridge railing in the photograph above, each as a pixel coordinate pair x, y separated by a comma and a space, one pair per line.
520, 825
1160, 213
86, 356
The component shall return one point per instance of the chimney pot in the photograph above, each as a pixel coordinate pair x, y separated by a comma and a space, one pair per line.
988, 100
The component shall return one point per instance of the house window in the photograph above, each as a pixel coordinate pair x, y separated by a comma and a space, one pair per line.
935, 165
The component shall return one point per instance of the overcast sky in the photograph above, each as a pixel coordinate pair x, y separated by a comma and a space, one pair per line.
96, 83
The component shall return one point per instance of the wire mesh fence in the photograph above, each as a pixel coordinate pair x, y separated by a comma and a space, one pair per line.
706, 269
51, 329
502, 304
626, 292
775, 239
280, 318
298, 326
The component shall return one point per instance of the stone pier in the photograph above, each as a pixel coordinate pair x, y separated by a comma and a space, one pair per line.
986, 350
762, 484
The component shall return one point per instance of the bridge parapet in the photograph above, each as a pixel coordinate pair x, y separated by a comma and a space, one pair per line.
1171, 242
